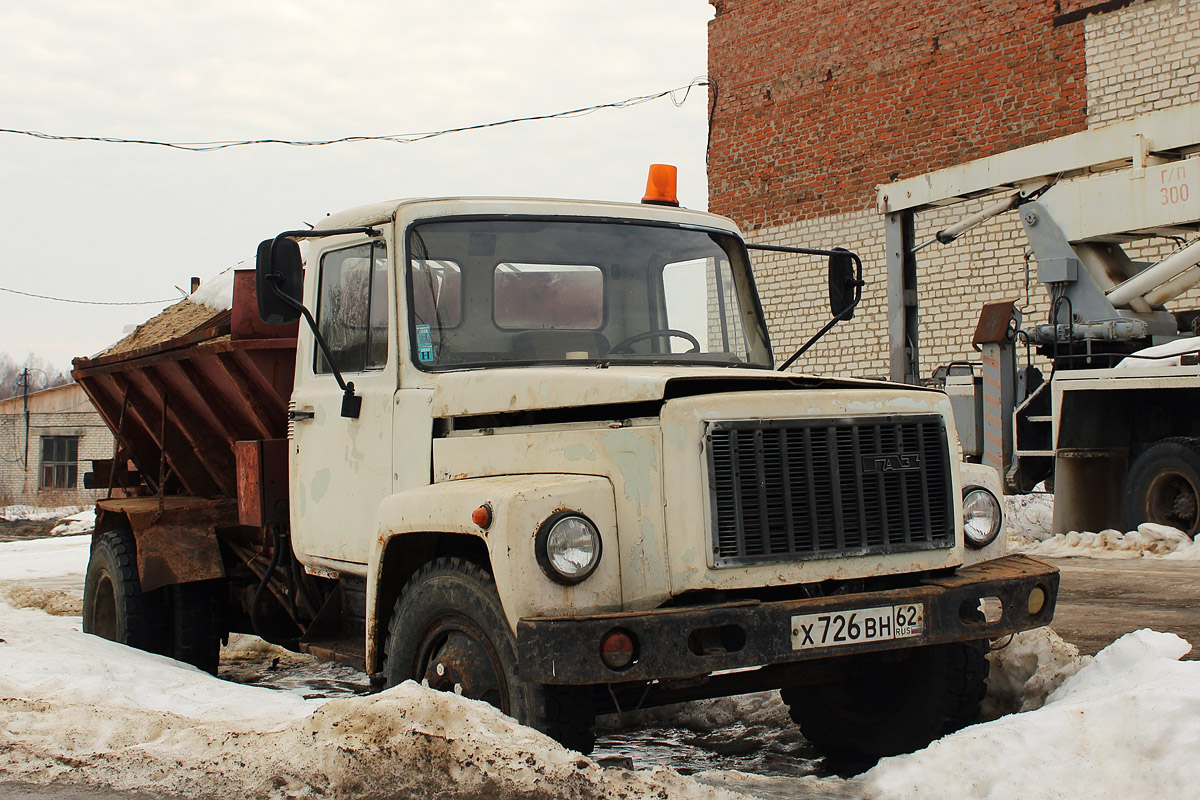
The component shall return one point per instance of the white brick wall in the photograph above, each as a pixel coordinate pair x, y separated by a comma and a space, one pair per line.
1140, 58
20, 485
955, 281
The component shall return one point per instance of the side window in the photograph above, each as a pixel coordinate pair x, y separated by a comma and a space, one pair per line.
352, 309
564, 296
60, 462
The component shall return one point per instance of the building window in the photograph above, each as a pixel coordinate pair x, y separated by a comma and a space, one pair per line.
60, 462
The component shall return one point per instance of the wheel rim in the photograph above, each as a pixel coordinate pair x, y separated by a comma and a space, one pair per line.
455, 655
104, 610
1173, 499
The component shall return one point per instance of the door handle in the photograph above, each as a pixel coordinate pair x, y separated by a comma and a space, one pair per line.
296, 416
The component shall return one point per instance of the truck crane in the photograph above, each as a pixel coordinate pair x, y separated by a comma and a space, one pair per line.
1113, 424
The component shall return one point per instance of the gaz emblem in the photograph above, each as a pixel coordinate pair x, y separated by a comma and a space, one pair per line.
891, 462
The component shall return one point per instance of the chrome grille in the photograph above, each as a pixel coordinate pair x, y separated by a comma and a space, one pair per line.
785, 490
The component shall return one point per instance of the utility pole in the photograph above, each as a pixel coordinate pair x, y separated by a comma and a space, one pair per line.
25, 395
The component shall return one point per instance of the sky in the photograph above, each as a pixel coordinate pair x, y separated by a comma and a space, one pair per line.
123, 222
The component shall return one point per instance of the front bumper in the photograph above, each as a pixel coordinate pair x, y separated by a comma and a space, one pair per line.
566, 650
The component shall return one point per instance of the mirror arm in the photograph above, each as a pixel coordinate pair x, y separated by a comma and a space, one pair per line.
817, 336
845, 313
351, 404
804, 251
316, 234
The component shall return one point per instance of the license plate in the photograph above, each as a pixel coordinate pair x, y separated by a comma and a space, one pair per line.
811, 631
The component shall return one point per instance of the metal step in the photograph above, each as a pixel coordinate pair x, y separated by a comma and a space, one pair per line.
1040, 418
1022, 453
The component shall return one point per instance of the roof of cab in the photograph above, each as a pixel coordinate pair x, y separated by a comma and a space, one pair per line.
379, 213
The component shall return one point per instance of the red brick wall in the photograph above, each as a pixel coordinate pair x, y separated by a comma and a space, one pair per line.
819, 101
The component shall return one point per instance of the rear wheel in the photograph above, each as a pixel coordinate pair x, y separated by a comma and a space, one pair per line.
1164, 486
891, 703
196, 629
448, 630
114, 606
181, 621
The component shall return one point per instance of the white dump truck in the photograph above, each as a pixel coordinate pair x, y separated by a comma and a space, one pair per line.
536, 452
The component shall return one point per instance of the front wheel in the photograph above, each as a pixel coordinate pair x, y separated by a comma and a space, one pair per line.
1164, 486
449, 631
886, 704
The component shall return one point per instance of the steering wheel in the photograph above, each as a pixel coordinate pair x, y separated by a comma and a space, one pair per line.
623, 345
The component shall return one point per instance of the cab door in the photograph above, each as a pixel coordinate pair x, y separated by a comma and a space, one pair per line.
341, 468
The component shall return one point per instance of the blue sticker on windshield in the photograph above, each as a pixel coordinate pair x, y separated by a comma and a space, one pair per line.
424, 344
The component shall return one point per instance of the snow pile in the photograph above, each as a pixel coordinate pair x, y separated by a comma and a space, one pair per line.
217, 291
105, 714
1162, 355
1125, 725
249, 660
83, 522
1026, 668
36, 513
1149, 540
1031, 530
1030, 517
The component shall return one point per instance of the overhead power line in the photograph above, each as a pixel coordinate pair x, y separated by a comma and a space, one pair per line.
91, 302
401, 138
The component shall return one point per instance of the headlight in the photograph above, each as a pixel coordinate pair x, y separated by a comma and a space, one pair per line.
568, 547
982, 517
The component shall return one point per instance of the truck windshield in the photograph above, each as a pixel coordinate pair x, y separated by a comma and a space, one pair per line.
486, 292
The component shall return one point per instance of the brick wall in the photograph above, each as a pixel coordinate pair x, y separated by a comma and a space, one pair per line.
1142, 58
1097, 69
819, 101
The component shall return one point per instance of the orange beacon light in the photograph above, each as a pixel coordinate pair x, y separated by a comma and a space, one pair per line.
660, 185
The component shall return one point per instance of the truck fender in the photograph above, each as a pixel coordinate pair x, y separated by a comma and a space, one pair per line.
177, 544
518, 505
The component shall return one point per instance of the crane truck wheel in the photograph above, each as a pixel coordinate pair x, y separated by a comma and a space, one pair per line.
886, 704
448, 630
114, 606
1164, 486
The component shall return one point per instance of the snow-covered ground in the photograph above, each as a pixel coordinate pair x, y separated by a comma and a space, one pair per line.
37, 513
83, 522
76, 708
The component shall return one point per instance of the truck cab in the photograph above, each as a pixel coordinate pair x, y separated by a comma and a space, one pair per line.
537, 453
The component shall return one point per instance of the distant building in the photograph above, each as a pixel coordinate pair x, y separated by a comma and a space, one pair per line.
43, 462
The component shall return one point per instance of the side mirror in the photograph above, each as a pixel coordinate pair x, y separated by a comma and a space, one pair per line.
278, 266
843, 284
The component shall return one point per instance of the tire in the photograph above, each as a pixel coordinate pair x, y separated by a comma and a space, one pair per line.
196, 624
887, 704
448, 629
114, 606
1164, 486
